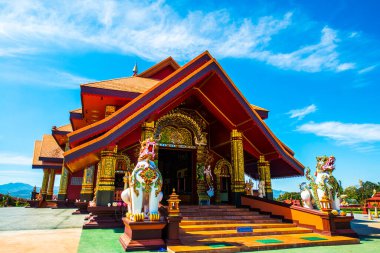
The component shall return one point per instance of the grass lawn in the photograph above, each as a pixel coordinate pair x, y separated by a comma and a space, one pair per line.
101, 240
107, 241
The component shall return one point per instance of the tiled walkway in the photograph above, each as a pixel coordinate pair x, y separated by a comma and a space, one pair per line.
221, 235
65, 235
254, 243
39, 230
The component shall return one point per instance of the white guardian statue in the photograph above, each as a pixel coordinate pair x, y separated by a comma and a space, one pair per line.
144, 192
322, 186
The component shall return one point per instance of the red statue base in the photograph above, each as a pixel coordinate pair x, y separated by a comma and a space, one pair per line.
143, 235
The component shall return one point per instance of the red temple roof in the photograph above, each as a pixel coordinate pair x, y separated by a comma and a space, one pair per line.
36, 154
376, 197
77, 111
39, 163
60, 133
98, 127
76, 119
50, 150
129, 84
161, 69
205, 79
66, 128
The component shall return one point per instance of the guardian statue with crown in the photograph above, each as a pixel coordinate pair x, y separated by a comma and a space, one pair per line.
144, 192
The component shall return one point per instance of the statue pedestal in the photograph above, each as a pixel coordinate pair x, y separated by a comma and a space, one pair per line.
104, 217
172, 230
82, 207
142, 235
33, 203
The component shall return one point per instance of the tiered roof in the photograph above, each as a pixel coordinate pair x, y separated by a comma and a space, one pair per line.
204, 78
148, 96
47, 154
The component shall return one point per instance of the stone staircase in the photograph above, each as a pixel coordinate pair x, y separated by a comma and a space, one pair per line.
214, 228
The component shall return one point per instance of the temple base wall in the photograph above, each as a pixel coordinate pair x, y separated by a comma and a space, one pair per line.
104, 197
62, 196
87, 196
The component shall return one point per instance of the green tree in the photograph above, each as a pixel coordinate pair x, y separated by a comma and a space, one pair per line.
289, 195
352, 192
363, 192
366, 190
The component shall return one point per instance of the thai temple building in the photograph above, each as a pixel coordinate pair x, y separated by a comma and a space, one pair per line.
199, 118
208, 137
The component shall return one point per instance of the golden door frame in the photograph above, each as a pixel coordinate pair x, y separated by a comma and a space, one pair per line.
218, 173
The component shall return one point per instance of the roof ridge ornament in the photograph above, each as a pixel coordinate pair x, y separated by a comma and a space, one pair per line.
135, 69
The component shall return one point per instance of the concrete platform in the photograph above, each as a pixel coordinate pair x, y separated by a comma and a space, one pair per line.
39, 230
259, 243
20, 218
37, 241
18, 223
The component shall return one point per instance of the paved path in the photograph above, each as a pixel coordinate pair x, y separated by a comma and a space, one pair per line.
39, 230
20, 218
57, 230
366, 227
37, 241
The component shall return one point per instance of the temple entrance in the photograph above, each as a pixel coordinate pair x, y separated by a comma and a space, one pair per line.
223, 172
119, 185
176, 167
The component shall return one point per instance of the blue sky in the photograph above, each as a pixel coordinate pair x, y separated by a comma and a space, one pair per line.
313, 64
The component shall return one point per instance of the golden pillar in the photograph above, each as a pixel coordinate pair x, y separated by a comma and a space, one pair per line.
147, 130
87, 191
106, 178
97, 171
237, 158
263, 168
62, 193
50, 189
44, 185
203, 198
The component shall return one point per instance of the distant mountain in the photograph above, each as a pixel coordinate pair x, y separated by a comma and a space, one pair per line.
20, 190
277, 193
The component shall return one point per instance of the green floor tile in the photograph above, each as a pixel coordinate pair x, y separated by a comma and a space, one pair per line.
314, 238
218, 245
268, 241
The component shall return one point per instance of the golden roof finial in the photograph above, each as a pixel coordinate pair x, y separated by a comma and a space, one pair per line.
135, 69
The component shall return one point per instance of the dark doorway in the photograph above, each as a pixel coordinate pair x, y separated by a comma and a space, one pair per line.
176, 167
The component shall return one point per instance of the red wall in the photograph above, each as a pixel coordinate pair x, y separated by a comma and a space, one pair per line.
73, 191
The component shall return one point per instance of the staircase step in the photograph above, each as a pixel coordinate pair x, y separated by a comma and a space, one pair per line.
251, 243
249, 221
191, 235
213, 213
214, 229
242, 217
210, 206
233, 226
192, 210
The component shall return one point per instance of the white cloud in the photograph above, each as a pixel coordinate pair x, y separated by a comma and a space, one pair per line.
301, 113
366, 70
153, 30
39, 76
345, 66
311, 58
14, 159
344, 133
353, 35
